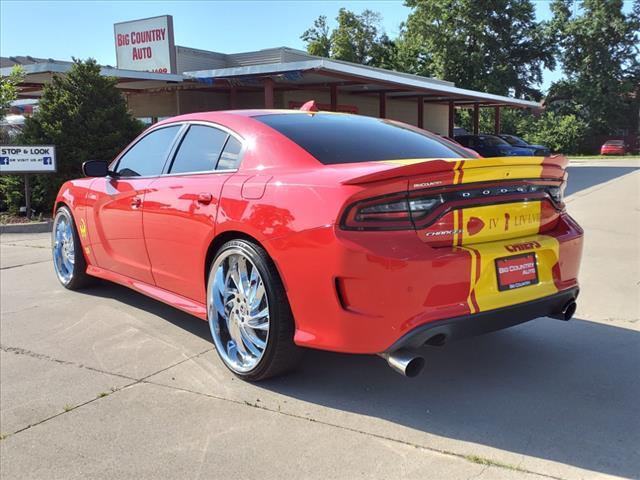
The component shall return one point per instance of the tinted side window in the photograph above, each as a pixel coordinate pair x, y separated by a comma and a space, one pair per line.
490, 141
332, 138
231, 155
199, 150
147, 157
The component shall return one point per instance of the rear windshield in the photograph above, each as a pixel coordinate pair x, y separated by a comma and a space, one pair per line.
614, 142
336, 138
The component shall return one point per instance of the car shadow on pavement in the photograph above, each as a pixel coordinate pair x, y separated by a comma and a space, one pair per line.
187, 322
561, 391
581, 178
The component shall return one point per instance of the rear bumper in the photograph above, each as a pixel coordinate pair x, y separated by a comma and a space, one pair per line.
485, 322
357, 292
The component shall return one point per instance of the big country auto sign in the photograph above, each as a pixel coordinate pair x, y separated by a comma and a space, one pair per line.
146, 45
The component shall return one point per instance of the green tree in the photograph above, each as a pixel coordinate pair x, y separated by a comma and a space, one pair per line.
358, 38
85, 116
600, 56
490, 45
318, 38
563, 133
9, 89
10, 187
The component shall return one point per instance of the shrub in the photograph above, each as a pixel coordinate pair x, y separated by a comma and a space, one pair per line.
562, 133
85, 116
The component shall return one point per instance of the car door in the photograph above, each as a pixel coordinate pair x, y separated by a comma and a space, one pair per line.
115, 224
180, 208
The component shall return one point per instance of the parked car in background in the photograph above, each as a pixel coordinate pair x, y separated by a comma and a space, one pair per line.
613, 147
540, 150
493, 146
471, 152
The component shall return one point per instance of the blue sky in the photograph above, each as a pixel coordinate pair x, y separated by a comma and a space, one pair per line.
62, 29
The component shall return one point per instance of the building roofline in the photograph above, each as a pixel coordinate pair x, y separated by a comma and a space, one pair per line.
406, 80
52, 67
414, 84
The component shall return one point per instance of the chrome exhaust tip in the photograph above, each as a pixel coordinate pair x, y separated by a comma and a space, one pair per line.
404, 361
567, 312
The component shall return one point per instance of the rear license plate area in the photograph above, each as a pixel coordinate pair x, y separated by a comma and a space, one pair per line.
517, 271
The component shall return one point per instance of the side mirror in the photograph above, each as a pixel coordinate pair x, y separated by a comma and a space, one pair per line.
95, 168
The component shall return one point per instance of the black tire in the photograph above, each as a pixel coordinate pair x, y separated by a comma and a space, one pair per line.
79, 278
280, 355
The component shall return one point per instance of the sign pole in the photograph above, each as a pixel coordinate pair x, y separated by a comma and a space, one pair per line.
27, 195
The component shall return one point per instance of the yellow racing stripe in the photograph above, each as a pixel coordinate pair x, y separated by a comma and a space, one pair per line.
472, 279
500, 221
485, 288
472, 170
484, 232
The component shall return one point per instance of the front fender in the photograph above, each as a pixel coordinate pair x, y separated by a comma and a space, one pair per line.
75, 195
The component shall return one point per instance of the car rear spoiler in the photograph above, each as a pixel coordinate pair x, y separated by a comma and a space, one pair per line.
545, 167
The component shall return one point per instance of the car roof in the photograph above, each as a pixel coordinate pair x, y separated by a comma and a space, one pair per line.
218, 115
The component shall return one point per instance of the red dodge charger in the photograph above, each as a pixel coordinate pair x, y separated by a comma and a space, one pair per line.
289, 229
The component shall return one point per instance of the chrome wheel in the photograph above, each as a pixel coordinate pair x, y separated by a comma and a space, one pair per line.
238, 310
63, 248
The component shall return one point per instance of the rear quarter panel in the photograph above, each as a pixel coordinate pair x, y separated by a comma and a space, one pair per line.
279, 189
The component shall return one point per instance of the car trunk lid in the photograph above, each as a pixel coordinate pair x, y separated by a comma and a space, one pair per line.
468, 201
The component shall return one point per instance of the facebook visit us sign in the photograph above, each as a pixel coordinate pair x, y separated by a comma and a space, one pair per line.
27, 159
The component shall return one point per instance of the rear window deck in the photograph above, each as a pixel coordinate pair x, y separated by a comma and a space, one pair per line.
338, 138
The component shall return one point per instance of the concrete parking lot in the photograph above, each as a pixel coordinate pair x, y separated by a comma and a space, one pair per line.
106, 383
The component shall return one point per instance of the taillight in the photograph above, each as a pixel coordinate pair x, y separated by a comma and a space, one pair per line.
405, 211
421, 207
396, 212
556, 194
384, 211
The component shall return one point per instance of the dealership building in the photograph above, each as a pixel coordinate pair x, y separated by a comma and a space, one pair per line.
160, 79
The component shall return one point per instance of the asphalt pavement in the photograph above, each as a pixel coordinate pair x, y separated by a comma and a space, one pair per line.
106, 383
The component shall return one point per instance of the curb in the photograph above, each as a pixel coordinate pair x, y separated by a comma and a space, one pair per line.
32, 227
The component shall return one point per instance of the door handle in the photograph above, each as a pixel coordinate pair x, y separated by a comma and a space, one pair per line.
205, 198
136, 202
